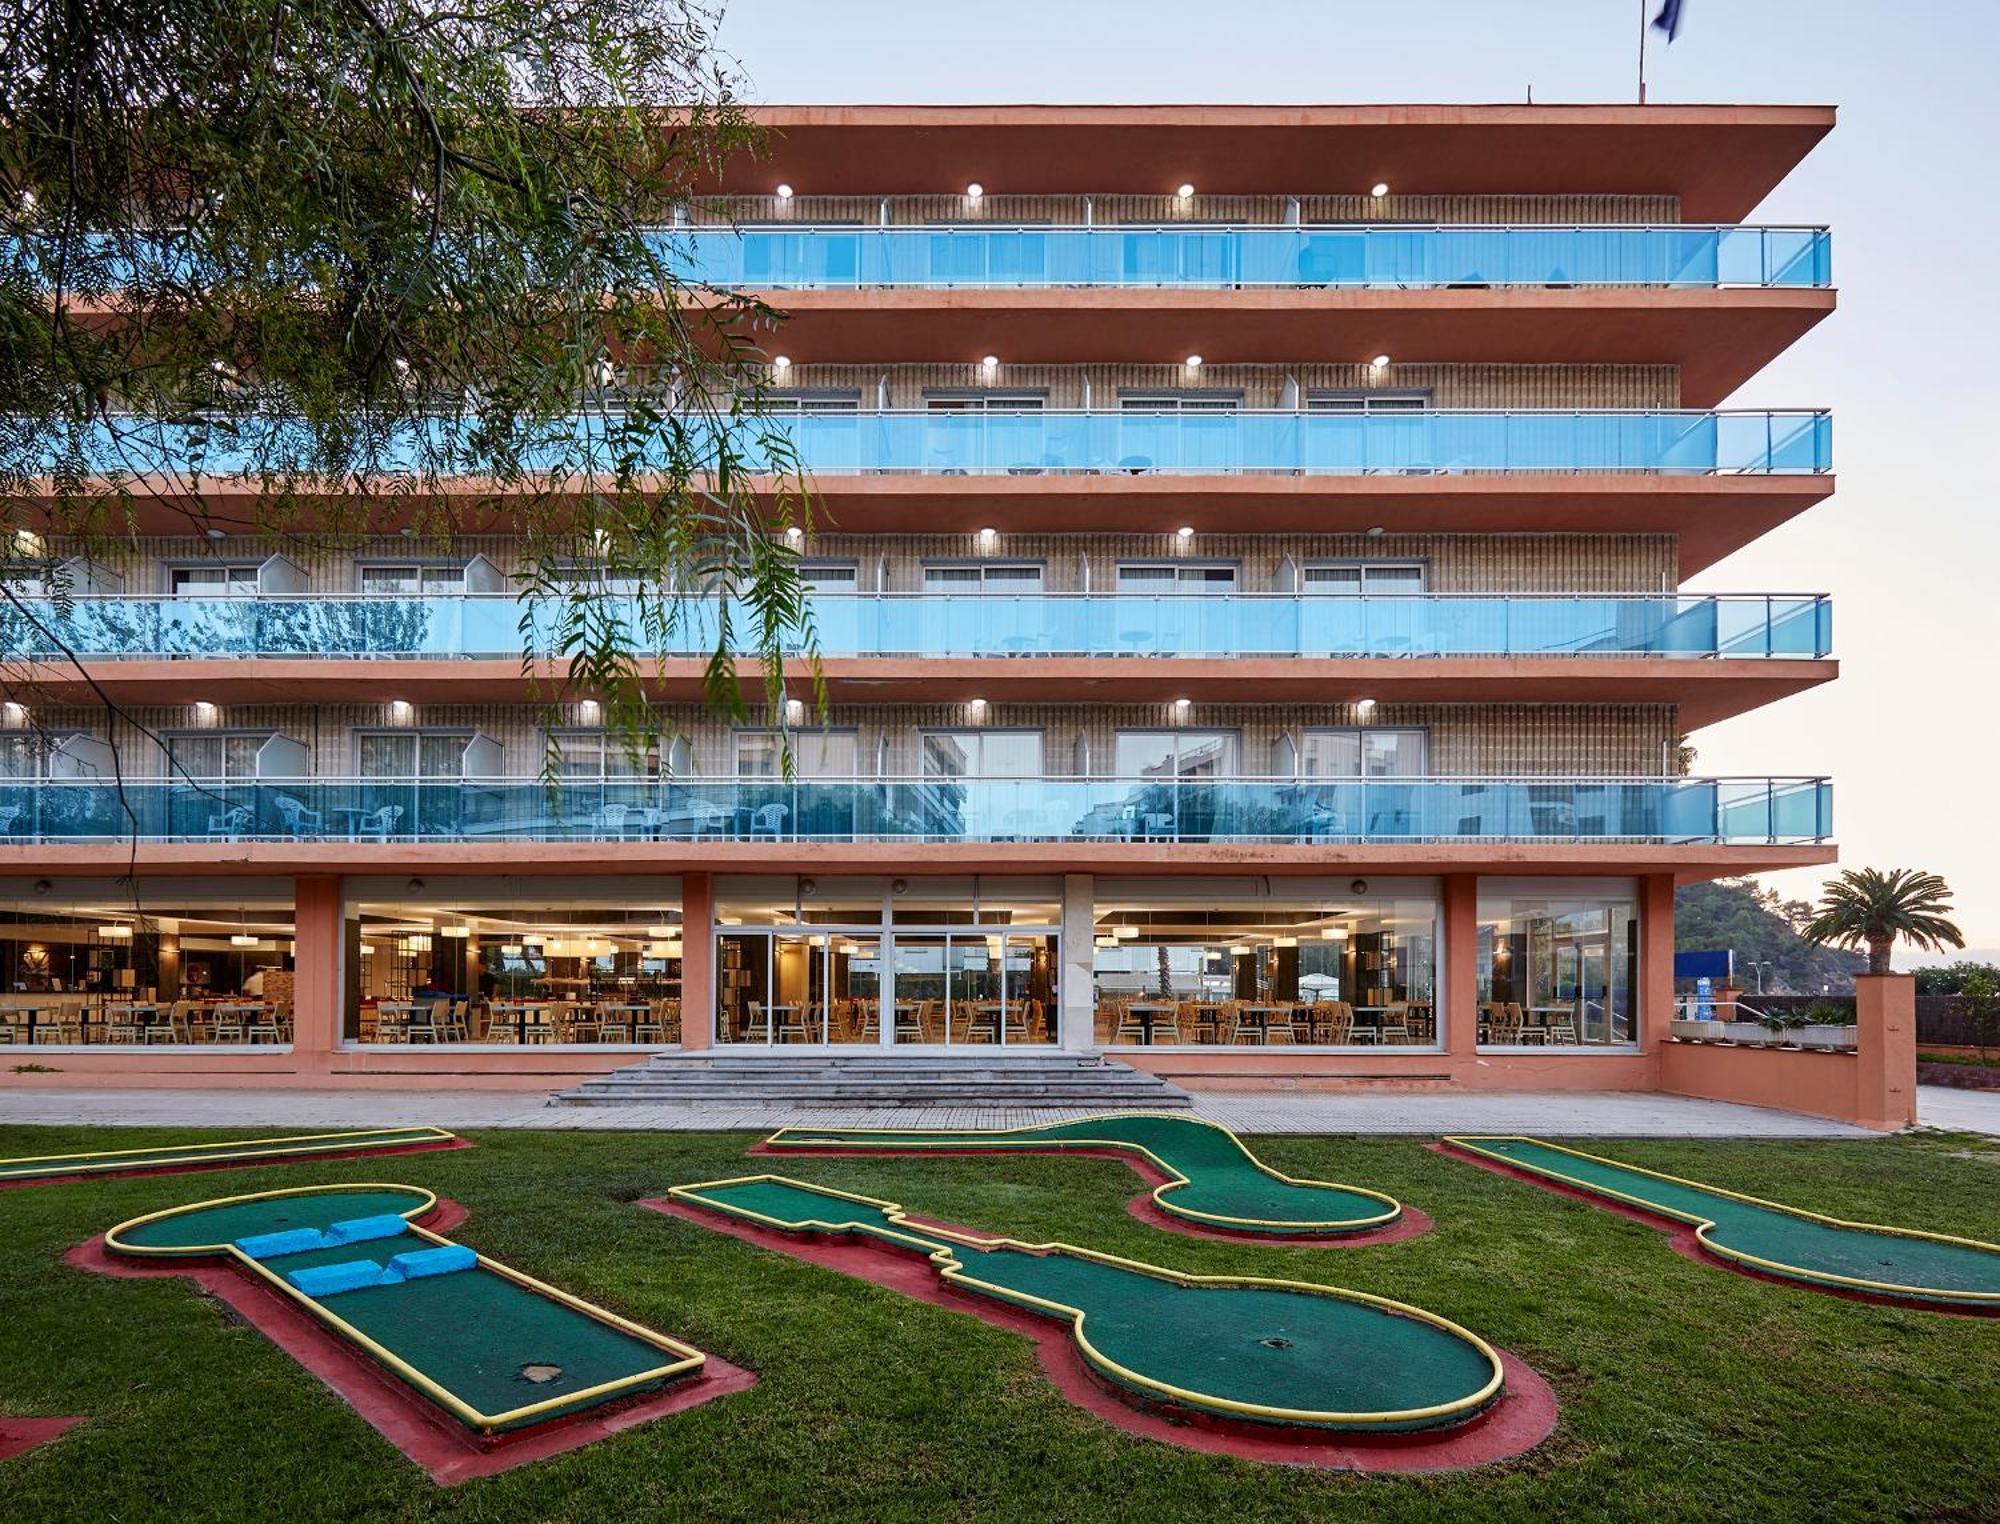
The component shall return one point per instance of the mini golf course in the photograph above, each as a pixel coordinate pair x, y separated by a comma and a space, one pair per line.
1243, 1351
1207, 1176
49, 1169
500, 1352
1767, 1237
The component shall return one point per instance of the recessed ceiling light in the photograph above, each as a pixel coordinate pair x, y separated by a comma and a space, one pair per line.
988, 535
1183, 704
974, 191
794, 533
1184, 191
1194, 362
781, 362
1380, 362
1186, 531
989, 362
1364, 706
784, 193
978, 703
1379, 189
1376, 531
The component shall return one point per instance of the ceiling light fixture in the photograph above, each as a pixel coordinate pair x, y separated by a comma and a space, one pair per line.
781, 363
1379, 189
1185, 532
1380, 362
1194, 362
1184, 191
784, 193
974, 191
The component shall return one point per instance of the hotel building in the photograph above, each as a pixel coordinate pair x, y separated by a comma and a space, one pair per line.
1247, 565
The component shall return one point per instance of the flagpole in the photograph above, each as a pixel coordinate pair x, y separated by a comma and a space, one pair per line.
1642, 52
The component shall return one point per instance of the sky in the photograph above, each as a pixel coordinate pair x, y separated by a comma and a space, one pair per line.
1910, 544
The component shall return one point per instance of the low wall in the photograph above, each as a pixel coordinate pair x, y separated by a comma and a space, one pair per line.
1279, 1069
1875, 1085
443, 1068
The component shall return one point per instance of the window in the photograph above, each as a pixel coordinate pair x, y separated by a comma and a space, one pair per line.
985, 402
1180, 402
412, 580
829, 577
1363, 753
1350, 578
810, 402
592, 575
1175, 754
26, 756
981, 577
212, 755
982, 753
815, 754
1363, 401
1175, 577
411, 754
1558, 970
591, 754
215, 581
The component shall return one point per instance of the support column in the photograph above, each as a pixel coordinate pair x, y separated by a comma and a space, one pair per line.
1656, 959
1078, 1000
1458, 1003
697, 960
1885, 1013
319, 970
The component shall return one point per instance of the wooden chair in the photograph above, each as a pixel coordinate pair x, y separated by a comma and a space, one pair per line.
1396, 1022
265, 1026
1562, 1030
226, 1026
173, 1027
1240, 1030
392, 1026
1333, 1020
1279, 1028
1517, 1021
797, 1025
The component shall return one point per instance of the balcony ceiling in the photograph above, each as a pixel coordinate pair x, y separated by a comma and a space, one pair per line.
1704, 690
1687, 864
1712, 516
1721, 160
1718, 338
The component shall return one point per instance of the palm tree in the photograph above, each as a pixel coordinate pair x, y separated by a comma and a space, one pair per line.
1868, 906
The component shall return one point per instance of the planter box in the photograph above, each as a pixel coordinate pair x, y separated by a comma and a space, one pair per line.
1823, 1036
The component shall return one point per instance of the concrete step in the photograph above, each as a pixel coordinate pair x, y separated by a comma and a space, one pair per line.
995, 1078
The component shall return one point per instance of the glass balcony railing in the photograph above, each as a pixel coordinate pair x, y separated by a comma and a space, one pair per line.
1701, 811
1423, 442
1752, 626
1344, 256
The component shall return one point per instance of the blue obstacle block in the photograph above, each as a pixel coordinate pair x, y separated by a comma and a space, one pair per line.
332, 1280
445, 1259
361, 1229
274, 1245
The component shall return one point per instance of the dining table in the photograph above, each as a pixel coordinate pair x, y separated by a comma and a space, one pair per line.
1260, 1018
1149, 1013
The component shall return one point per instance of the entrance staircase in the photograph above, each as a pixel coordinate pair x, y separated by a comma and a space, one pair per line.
1020, 1078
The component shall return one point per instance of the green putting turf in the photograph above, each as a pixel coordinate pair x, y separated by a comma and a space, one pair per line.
494, 1344
1781, 1239
171, 1156
1220, 1182
1287, 1354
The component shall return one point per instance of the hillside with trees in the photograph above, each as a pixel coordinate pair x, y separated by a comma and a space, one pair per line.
1760, 925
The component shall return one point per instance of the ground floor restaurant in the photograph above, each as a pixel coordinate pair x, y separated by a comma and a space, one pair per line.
1172, 965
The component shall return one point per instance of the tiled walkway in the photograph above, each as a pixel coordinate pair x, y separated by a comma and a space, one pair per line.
1569, 1114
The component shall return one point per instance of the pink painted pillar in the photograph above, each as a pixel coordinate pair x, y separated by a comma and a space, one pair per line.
1656, 959
697, 959
320, 965
1458, 1011
1885, 1011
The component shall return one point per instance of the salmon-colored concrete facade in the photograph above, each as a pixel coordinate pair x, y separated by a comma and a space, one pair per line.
1474, 897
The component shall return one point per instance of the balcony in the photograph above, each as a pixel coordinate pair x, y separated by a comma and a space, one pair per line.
938, 625
1718, 302
733, 815
1357, 257
1716, 480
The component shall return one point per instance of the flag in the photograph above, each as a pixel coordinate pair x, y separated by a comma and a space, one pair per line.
1669, 19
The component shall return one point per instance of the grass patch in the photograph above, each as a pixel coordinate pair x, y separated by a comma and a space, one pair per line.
1687, 1391
1969, 1060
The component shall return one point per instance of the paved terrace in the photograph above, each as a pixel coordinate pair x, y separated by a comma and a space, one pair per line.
1562, 1114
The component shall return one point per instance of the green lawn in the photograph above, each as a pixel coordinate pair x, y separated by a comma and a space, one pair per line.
1687, 1392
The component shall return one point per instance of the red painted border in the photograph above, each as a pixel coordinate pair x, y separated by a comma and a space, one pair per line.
1524, 1416
1409, 1222
448, 1452
1682, 1240
308, 1157
20, 1435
